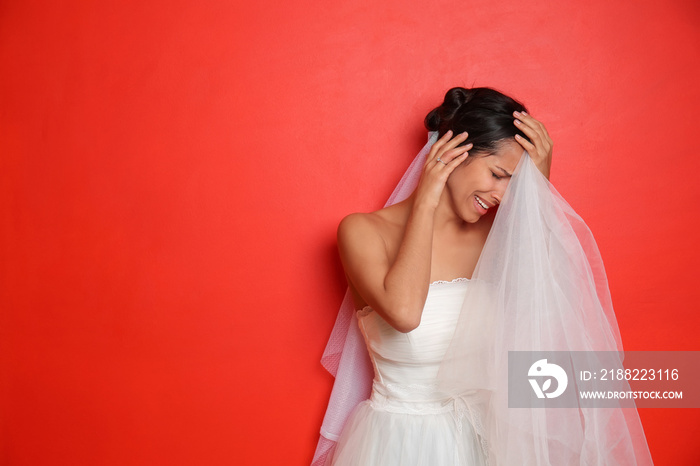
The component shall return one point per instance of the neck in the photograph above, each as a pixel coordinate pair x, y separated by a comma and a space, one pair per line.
446, 217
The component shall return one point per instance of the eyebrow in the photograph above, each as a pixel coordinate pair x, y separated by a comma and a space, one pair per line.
506, 173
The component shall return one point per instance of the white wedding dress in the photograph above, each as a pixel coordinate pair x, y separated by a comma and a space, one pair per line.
407, 421
539, 285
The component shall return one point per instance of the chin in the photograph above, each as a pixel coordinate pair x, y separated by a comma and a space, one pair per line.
471, 218
476, 217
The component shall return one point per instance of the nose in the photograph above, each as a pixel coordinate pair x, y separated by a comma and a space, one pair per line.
498, 191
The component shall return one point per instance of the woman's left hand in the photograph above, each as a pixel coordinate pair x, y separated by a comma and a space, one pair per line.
540, 149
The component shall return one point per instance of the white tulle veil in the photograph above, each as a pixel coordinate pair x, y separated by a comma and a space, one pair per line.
539, 285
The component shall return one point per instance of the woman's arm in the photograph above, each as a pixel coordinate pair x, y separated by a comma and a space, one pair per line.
397, 289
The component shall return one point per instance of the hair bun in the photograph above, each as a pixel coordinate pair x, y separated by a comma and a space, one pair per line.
454, 99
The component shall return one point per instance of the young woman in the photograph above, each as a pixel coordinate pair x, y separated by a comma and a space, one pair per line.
409, 268
437, 234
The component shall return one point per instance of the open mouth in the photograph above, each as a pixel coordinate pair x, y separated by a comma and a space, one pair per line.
481, 203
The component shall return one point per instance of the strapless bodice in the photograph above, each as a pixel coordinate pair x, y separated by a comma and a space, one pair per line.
408, 420
406, 364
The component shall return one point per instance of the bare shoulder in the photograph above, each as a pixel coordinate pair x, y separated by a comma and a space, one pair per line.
360, 228
370, 239
367, 244
384, 223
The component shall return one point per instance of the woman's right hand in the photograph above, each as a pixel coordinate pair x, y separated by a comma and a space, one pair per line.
443, 158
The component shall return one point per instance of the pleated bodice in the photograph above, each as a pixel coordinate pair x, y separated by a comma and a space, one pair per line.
406, 364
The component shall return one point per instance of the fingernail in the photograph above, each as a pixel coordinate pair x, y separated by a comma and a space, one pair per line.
524, 112
517, 122
517, 136
516, 113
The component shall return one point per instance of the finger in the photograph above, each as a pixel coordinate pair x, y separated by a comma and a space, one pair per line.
445, 137
530, 121
452, 154
528, 146
533, 123
438, 144
446, 167
527, 121
438, 150
537, 134
457, 161
454, 142
454, 163
528, 118
541, 139
532, 133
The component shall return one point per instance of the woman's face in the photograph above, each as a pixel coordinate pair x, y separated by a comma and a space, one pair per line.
483, 181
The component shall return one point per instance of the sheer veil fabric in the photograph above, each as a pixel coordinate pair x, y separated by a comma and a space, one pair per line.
346, 355
539, 285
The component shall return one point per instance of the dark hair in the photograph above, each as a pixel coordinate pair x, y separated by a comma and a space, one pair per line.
486, 114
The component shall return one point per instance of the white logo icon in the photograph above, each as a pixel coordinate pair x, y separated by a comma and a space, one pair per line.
543, 369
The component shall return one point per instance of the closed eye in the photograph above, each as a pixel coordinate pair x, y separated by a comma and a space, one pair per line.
496, 176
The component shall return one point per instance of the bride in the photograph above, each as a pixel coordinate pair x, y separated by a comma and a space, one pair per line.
390, 256
411, 269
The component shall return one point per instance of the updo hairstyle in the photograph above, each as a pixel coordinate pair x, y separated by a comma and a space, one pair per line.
486, 114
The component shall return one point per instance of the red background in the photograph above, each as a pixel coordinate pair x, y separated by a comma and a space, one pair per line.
172, 174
